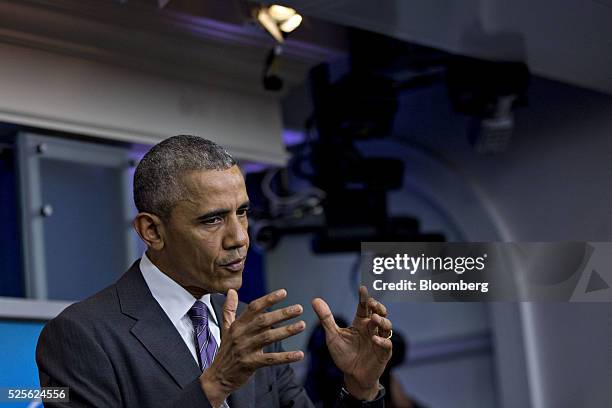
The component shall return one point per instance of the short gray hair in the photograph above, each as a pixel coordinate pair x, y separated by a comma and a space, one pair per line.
158, 183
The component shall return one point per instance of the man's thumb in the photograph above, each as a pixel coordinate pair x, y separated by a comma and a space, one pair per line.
229, 308
325, 316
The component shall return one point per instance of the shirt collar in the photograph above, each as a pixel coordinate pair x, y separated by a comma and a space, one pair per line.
172, 297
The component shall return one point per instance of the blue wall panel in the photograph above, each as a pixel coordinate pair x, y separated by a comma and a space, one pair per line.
17, 356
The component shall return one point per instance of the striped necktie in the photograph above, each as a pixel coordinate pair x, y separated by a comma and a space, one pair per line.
205, 342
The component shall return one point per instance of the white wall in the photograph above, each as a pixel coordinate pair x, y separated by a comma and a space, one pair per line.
71, 94
553, 183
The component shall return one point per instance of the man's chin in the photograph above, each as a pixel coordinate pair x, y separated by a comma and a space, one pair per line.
218, 286
232, 283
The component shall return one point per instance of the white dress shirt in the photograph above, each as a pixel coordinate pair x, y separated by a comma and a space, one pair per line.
176, 302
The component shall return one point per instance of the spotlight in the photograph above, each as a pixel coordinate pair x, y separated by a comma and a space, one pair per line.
281, 13
279, 21
291, 24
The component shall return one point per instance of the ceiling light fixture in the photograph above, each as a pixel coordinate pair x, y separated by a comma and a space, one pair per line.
291, 23
280, 13
279, 21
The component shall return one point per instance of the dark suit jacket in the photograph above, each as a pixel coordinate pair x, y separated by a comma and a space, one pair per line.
119, 349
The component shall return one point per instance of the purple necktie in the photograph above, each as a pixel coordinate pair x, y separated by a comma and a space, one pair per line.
205, 342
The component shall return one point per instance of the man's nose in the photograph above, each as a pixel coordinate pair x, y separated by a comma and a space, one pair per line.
236, 234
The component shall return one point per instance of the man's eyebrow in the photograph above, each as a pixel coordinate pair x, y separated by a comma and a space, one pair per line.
219, 212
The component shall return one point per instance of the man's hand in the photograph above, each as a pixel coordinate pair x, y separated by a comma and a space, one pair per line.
362, 350
241, 351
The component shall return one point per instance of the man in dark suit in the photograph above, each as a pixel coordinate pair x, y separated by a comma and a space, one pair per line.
165, 335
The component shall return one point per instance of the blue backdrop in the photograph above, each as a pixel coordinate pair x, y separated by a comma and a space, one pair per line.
17, 356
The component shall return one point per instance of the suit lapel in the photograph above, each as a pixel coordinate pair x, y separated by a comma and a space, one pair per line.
153, 328
244, 397
159, 336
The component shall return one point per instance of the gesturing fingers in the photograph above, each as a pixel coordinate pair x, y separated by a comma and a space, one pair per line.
383, 343
265, 320
229, 309
379, 329
270, 359
240, 353
325, 316
270, 336
362, 307
262, 303
376, 307
379, 326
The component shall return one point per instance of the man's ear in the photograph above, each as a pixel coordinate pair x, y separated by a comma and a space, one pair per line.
150, 228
